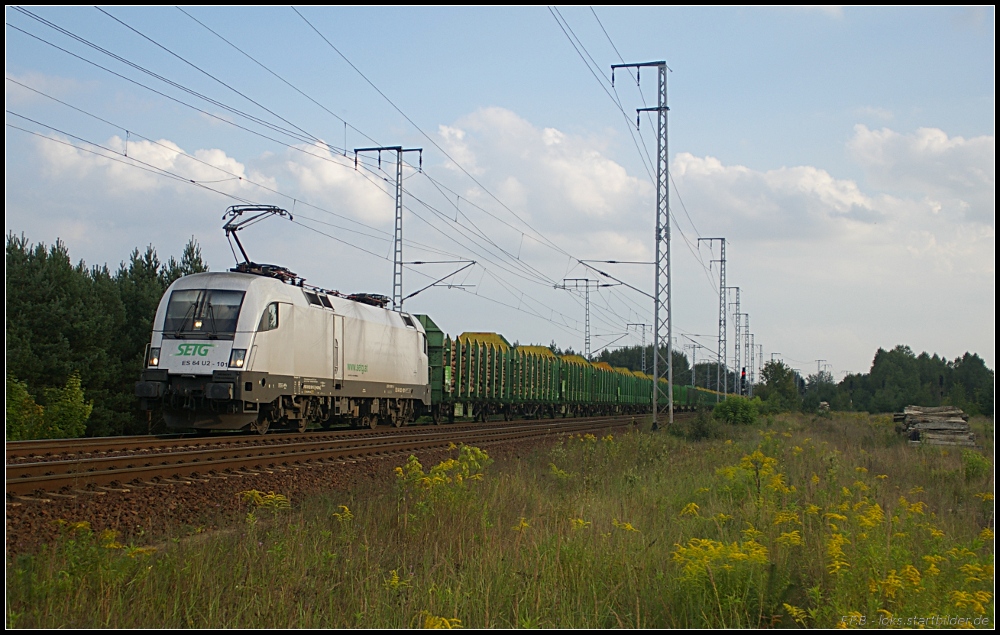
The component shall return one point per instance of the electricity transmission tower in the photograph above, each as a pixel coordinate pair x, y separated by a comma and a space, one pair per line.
586, 284
397, 251
643, 327
746, 336
736, 348
662, 323
722, 315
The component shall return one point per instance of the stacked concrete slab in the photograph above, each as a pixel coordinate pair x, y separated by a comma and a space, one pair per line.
939, 425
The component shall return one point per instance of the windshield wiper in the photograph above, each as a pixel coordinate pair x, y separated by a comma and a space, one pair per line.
211, 313
180, 328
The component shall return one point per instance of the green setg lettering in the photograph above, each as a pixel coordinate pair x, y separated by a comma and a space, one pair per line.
192, 350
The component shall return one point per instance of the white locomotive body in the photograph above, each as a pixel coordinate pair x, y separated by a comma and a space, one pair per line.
238, 350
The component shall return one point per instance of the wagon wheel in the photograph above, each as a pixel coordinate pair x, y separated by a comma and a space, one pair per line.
301, 425
436, 415
369, 421
506, 413
397, 419
260, 425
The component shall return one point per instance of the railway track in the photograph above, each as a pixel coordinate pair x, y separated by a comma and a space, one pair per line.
46, 468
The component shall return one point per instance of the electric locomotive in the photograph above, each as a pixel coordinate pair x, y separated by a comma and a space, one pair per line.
254, 348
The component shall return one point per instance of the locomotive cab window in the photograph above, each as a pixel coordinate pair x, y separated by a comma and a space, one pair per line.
269, 320
326, 301
408, 321
202, 313
313, 299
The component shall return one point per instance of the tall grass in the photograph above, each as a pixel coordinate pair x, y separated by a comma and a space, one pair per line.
808, 521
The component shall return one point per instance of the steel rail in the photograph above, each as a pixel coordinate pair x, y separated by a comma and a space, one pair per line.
49, 449
26, 478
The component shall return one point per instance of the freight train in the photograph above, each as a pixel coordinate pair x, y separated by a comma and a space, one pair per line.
255, 349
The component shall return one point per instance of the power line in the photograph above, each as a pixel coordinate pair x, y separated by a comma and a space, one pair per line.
428, 137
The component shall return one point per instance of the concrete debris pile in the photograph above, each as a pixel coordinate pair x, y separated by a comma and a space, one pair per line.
939, 425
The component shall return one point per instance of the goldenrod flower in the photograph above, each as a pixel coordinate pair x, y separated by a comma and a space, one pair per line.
521, 525
791, 538
394, 582
344, 515
691, 509
579, 523
784, 516
796, 613
624, 526
911, 574
426, 619
986, 534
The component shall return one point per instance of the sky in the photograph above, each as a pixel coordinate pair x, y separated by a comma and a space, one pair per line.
846, 156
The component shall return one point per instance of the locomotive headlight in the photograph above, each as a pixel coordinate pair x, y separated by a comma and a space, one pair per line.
237, 357
154, 357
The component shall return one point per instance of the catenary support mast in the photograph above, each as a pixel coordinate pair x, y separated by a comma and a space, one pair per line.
662, 324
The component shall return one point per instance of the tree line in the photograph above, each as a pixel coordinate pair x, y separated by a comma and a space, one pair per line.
898, 378
77, 336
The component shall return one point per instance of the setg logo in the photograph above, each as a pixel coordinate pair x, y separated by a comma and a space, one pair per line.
193, 350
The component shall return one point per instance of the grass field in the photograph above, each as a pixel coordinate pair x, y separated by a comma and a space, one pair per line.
797, 521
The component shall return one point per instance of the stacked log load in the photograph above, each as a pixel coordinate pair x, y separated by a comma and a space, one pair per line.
940, 425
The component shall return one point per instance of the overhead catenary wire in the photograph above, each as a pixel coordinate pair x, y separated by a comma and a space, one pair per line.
504, 254
180, 101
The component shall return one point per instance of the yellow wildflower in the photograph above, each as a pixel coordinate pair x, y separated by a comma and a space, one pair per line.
132, 552
579, 523
815, 479
752, 533
790, 538
986, 534
785, 516
796, 614
812, 509
691, 509
985, 496
892, 584
521, 525
394, 582
882, 476
624, 526
426, 619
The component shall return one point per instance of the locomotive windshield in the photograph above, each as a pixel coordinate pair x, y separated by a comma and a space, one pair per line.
203, 313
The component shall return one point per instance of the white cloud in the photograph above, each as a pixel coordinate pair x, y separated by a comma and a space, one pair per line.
329, 180
53, 85
559, 177
956, 175
874, 112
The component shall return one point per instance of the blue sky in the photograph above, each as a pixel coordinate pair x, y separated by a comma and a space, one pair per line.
847, 155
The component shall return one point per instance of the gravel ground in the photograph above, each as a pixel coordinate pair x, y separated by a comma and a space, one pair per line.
161, 510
